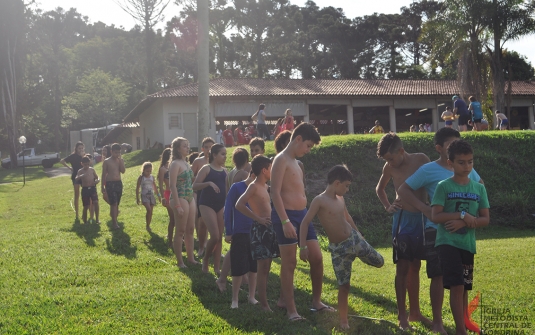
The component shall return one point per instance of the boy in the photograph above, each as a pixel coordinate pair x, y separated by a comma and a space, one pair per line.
501, 120
346, 242
459, 206
427, 177
289, 209
111, 181
408, 225
198, 163
477, 113
256, 146
448, 117
263, 241
228, 137
377, 129
237, 230
89, 178
461, 111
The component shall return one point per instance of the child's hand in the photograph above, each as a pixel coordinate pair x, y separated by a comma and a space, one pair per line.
470, 220
180, 211
394, 207
214, 186
228, 238
264, 221
303, 254
289, 230
454, 225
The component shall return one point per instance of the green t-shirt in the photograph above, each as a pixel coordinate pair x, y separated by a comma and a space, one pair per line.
455, 198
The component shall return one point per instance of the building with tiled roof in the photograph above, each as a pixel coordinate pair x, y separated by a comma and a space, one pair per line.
336, 106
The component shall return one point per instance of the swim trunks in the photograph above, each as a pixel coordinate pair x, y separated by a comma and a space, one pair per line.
344, 253
114, 189
263, 242
89, 193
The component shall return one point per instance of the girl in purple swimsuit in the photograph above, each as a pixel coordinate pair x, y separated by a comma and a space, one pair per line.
212, 180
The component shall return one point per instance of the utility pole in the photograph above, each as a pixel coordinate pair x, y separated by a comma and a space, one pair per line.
203, 69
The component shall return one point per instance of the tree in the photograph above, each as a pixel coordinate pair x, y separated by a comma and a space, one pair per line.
98, 99
148, 13
13, 26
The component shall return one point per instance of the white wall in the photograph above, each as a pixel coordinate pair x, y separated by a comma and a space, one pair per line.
151, 123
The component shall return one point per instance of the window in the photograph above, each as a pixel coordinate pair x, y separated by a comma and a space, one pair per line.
175, 120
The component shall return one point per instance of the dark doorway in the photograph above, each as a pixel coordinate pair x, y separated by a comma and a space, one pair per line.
329, 119
365, 117
405, 118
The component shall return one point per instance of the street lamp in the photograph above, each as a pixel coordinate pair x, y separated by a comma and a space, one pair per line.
22, 141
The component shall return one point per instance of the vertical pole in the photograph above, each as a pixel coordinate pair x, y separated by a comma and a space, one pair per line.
202, 69
392, 117
434, 115
350, 122
531, 117
23, 165
306, 118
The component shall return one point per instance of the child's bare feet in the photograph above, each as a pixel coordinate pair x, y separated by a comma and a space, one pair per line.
234, 305
115, 227
148, 229
266, 308
97, 222
404, 325
439, 329
281, 304
253, 301
420, 318
344, 325
200, 253
205, 266
222, 286
182, 266
193, 262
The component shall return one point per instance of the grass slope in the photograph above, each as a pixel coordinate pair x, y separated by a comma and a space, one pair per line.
61, 277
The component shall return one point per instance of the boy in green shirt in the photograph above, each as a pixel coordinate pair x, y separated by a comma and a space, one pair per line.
459, 206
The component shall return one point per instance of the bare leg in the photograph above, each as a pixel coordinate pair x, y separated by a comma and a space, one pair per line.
222, 280
456, 305
202, 235
236, 283
288, 264
211, 220
84, 215
436, 292
251, 276
97, 209
91, 210
263, 265
190, 228
402, 269
148, 215
315, 259
413, 289
170, 226
219, 245
76, 198
113, 213
180, 230
343, 293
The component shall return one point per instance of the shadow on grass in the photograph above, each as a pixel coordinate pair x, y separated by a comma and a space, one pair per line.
498, 232
120, 242
157, 244
86, 231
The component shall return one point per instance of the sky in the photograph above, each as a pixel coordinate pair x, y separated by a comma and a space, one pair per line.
110, 13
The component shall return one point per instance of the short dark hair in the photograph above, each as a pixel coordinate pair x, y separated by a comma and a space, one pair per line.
259, 163
389, 143
340, 173
192, 157
240, 157
443, 134
459, 147
308, 132
472, 98
86, 159
207, 139
282, 140
214, 150
115, 146
257, 141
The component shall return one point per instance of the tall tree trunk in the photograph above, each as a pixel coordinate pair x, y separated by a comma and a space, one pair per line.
259, 60
8, 87
392, 61
203, 63
222, 54
148, 55
498, 80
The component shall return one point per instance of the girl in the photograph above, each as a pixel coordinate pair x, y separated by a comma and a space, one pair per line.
163, 183
75, 159
288, 120
212, 180
148, 188
182, 201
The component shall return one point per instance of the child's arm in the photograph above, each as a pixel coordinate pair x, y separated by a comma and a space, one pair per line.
303, 230
277, 175
79, 175
104, 175
380, 191
199, 183
240, 205
95, 176
174, 202
406, 193
156, 190
137, 189
228, 214
121, 165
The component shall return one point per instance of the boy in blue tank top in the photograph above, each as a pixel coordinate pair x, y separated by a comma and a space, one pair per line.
460, 205
477, 112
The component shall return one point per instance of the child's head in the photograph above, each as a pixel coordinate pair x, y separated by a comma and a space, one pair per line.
261, 165
496, 111
282, 140
165, 157
261, 107
377, 122
86, 161
180, 148
390, 148
79, 147
256, 145
146, 168
206, 144
192, 157
472, 98
116, 149
447, 108
461, 157
306, 136
218, 154
240, 157
340, 177
443, 137
288, 112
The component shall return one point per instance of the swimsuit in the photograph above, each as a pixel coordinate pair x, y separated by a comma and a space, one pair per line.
89, 193
209, 197
147, 194
166, 193
263, 242
114, 189
184, 185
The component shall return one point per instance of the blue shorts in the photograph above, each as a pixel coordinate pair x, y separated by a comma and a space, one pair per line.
409, 242
449, 123
504, 122
411, 223
295, 216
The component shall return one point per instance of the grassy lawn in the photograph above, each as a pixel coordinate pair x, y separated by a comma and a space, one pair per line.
67, 278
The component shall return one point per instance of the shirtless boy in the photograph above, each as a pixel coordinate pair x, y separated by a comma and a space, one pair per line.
408, 225
265, 247
448, 117
198, 163
289, 201
89, 178
346, 242
111, 181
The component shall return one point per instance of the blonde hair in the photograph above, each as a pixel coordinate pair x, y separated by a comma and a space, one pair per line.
145, 165
175, 147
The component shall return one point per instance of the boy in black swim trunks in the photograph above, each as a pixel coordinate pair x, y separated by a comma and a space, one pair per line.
89, 179
111, 181
263, 239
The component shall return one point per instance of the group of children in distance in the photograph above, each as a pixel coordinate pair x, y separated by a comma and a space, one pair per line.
263, 222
